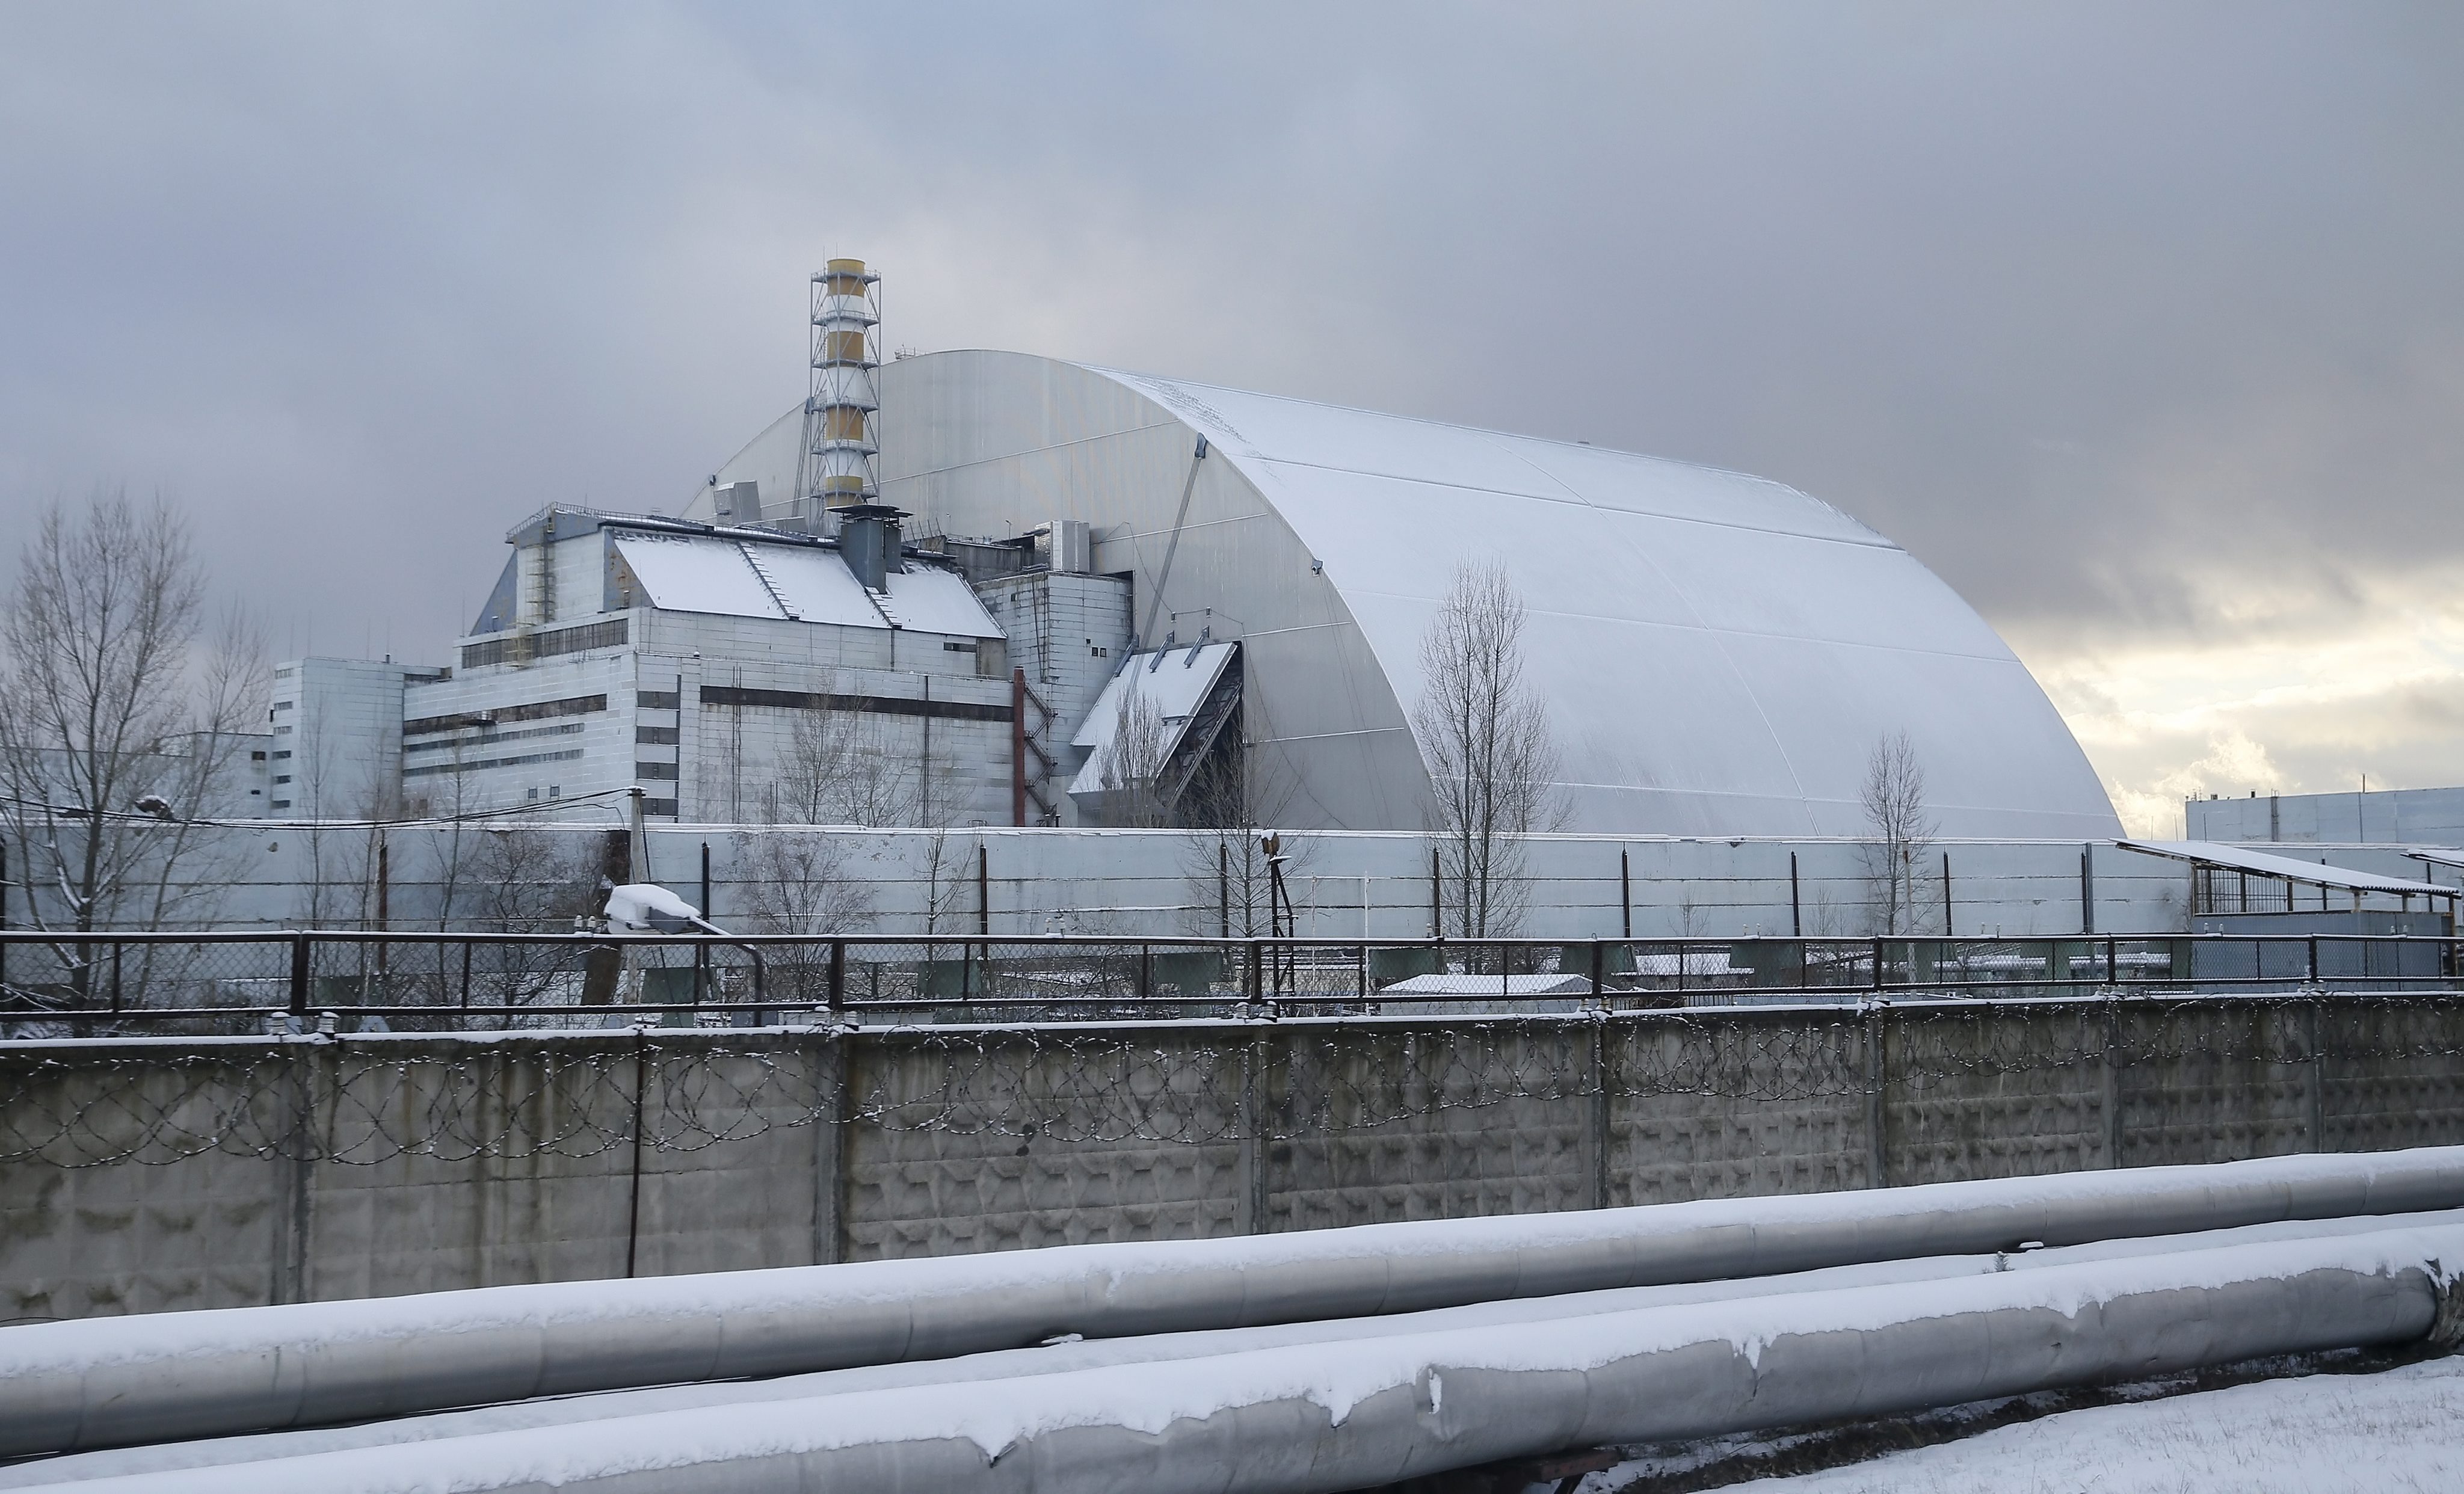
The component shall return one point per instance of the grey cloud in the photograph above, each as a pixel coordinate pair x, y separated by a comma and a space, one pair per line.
2103, 310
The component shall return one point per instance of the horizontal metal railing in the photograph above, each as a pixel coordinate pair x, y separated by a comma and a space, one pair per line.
80, 984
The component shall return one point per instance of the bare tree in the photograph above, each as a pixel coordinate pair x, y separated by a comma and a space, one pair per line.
842, 767
1231, 804
1893, 796
120, 721
799, 883
532, 880
1132, 761
1485, 735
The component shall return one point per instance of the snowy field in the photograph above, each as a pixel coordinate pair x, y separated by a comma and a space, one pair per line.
2399, 1430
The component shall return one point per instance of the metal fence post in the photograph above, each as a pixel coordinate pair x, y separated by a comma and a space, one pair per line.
2112, 1098
299, 955
2317, 1078
836, 995
1877, 1075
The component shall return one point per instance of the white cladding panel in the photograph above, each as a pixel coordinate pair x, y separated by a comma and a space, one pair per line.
1719, 653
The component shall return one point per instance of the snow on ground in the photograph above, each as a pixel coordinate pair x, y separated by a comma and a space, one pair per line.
2399, 1430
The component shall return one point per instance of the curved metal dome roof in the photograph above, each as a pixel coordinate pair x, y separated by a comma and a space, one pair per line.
1720, 653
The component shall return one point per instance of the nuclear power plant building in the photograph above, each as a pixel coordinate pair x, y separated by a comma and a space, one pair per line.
1718, 654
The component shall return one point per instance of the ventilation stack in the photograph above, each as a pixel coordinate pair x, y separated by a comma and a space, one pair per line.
835, 467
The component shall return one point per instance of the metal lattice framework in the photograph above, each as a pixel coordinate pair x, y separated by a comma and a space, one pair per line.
835, 463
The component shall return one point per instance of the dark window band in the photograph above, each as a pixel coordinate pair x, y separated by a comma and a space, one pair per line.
872, 705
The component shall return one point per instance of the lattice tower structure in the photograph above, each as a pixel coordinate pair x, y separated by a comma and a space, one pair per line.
835, 466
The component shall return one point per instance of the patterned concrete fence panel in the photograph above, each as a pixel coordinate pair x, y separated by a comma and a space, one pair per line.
141, 1176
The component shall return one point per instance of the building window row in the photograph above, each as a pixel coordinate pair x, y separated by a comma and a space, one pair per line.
493, 762
657, 736
656, 770
523, 647
658, 699
488, 738
872, 705
536, 711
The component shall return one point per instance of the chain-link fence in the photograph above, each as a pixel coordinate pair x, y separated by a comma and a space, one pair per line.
202, 984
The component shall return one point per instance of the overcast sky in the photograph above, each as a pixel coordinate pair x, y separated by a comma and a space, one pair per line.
2142, 324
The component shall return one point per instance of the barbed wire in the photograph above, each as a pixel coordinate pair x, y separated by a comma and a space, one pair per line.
577, 1095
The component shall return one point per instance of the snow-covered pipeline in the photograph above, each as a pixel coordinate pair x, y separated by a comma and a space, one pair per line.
109, 1382
1374, 1410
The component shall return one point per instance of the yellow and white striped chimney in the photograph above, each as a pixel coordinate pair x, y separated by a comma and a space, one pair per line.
835, 467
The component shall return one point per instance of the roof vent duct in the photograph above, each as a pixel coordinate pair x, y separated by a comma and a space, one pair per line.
870, 543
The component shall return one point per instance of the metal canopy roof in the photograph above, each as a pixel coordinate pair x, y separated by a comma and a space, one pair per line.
1176, 680
2234, 858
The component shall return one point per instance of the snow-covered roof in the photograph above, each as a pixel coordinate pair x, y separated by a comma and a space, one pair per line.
742, 575
2312, 873
935, 600
1175, 680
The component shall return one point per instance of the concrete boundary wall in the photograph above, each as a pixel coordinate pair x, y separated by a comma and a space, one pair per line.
143, 1175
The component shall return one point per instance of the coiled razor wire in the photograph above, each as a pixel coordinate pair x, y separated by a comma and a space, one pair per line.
364, 1103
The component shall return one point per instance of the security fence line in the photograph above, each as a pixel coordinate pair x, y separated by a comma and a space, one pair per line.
89, 985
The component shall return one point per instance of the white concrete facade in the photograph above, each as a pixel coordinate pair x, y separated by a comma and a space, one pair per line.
335, 749
683, 659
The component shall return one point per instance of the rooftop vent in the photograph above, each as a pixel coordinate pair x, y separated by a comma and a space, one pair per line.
869, 541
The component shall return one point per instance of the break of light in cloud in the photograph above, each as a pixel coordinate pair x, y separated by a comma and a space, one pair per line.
2294, 694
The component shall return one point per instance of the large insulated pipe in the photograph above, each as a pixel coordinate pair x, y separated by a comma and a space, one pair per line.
1378, 1410
105, 1382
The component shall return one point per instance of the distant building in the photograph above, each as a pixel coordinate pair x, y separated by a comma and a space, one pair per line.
336, 746
2384, 817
